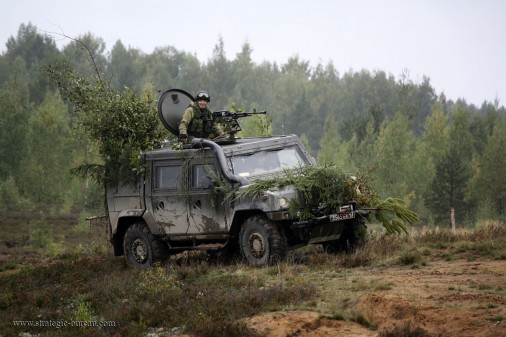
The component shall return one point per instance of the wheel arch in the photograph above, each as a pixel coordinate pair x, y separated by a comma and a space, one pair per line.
123, 224
239, 218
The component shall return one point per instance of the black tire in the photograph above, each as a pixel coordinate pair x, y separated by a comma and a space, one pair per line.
353, 236
141, 248
262, 242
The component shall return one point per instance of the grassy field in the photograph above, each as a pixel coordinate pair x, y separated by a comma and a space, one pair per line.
57, 270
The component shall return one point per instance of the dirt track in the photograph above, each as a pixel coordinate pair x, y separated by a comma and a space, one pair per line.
456, 298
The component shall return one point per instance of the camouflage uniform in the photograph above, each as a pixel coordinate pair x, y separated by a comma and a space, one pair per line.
199, 123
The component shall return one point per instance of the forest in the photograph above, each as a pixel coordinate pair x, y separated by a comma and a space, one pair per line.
411, 142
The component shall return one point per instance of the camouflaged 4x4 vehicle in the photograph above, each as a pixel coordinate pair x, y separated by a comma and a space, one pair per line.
174, 207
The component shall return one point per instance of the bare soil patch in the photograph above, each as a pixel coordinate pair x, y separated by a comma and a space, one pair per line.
443, 298
304, 323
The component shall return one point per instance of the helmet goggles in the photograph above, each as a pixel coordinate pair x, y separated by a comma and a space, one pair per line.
203, 95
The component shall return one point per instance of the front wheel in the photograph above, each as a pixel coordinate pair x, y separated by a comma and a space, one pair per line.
262, 242
141, 248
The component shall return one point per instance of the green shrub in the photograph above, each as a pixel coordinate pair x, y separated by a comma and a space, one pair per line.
83, 225
157, 282
55, 248
411, 256
83, 311
10, 198
40, 234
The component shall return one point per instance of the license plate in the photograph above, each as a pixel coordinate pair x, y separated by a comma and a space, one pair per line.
341, 216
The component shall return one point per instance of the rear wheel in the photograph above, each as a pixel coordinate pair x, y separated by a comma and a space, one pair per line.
141, 248
262, 242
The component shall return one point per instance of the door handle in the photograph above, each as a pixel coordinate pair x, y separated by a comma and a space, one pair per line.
198, 204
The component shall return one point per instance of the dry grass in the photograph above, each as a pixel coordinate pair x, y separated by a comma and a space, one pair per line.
201, 299
190, 295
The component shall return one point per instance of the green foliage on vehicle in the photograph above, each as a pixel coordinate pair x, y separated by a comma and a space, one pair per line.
329, 187
122, 124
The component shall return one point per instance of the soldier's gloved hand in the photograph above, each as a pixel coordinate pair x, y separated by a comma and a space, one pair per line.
183, 137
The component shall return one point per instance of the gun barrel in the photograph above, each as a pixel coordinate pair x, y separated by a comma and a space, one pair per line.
226, 113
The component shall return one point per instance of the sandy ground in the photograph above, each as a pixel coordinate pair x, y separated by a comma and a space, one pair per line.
443, 298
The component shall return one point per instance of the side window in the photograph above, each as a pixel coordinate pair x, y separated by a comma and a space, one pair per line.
200, 176
167, 177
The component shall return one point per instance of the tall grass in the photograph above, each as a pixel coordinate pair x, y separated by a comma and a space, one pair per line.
189, 295
201, 300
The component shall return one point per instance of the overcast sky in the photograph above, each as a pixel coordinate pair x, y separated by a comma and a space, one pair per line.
459, 44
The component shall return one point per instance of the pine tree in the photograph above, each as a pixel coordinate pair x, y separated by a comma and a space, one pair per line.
491, 180
449, 187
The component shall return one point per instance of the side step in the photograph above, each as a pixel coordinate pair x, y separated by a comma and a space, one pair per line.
204, 246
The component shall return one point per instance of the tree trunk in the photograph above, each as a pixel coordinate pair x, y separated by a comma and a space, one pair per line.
452, 219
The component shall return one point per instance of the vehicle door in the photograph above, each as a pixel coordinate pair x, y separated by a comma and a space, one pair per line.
206, 211
168, 202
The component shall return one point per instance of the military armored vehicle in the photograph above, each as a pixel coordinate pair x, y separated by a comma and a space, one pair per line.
176, 206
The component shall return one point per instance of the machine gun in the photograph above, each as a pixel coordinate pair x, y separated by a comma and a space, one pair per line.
228, 120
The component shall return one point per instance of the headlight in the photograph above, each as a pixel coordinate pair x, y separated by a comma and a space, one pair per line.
283, 202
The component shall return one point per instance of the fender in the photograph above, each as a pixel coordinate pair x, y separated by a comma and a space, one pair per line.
140, 213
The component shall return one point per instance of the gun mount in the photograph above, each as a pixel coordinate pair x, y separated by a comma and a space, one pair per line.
228, 120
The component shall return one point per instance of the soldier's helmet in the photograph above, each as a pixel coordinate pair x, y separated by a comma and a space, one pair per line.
203, 95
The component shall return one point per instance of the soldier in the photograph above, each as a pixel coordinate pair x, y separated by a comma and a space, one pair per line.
197, 121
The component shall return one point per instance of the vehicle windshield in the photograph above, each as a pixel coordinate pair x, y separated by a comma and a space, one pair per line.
269, 161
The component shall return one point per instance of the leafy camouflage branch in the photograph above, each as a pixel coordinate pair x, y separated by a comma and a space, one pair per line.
329, 187
122, 123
